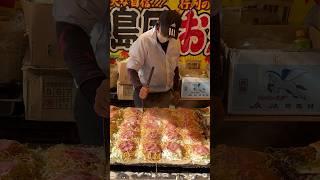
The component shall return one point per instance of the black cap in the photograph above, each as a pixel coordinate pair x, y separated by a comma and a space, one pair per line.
170, 22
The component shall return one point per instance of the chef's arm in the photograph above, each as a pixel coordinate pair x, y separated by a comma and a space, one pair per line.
176, 80
79, 57
134, 78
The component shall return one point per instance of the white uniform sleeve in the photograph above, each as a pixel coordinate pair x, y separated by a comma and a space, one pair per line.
137, 54
83, 13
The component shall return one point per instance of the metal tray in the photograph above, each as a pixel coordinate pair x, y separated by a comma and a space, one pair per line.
167, 168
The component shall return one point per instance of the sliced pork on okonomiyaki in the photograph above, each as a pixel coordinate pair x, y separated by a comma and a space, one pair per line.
160, 135
128, 136
11, 148
151, 134
18, 162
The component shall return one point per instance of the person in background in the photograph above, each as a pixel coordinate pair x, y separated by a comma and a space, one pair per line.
158, 48
82, 38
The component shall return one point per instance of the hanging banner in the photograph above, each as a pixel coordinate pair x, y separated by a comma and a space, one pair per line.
131, 18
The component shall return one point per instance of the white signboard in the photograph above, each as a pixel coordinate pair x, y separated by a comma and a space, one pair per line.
195, 88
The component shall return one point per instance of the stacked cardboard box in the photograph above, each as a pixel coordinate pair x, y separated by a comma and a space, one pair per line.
47, 97
315, 37
267, 75
47, 86
41, 30
12, 42
195, 88
124, 86
195, 84
192, 68
273, 82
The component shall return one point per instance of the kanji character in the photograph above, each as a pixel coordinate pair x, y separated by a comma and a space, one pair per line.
124, 2
201, 4
158, 3
114, 3
134, 3
205, 5
145, 4
193, 37
197, 4
185, 4
150, 18
125, 28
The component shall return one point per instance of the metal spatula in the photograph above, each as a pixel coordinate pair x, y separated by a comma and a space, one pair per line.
148, 83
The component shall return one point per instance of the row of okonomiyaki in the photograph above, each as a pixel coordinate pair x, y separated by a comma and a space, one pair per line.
161, 135
57, 162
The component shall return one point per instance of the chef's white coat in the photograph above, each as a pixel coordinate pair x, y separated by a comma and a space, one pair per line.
146, 52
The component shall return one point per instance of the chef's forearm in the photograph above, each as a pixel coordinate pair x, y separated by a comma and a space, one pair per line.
176, 80
134, 78
79, 58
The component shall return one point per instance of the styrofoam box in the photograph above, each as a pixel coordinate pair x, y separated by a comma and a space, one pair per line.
48, 94
269, 82
123, 73
125, 92
195, 88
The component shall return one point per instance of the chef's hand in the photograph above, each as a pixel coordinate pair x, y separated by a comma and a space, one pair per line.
144, 91
101, 100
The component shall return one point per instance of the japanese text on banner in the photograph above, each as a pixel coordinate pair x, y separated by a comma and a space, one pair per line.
131, 18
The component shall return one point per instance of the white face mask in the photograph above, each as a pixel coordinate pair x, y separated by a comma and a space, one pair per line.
161, 38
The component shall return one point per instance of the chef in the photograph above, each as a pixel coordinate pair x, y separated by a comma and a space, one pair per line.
158, 48
82, 36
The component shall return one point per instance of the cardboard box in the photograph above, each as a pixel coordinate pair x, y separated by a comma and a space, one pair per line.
113, 75
259, 36
124, 92
231, 15
191, 68
258, 12
274, 82
41, 30
193, 64
193, 88
12, 48
314, 37
123, 73
48, 94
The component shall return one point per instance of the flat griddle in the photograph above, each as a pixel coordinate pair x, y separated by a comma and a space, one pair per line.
162, 167
166, 168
